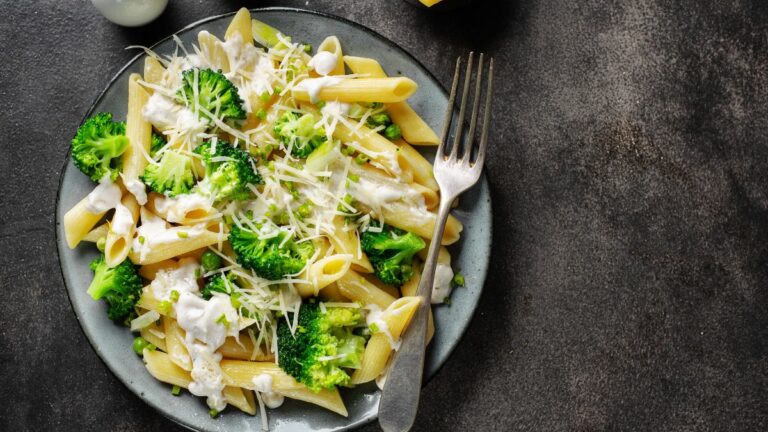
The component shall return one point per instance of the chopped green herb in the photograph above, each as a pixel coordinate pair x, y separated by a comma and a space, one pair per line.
458, 279
141, 239
139, 344
361, 159
213, 413
165, 307
223, 320
176, 390
101, 244
174, 296
182, 234
261, 114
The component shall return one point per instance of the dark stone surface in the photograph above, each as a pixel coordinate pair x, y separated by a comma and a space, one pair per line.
628, 281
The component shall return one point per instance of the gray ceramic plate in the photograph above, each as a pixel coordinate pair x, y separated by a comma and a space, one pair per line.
113, 343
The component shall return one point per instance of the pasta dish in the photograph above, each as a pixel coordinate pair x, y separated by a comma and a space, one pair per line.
261, 216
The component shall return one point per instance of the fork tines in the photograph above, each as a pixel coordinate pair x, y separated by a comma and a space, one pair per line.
465, 148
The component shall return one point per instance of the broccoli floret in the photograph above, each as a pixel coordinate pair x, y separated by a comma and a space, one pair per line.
272, 258
211, 90
172, 176
391, 253
119, 286
228, 171
158, 142
98, 145
298, 134
217, 283
322, 346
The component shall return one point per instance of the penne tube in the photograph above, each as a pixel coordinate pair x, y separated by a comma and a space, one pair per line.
379, 348
138, 130
184, 209
347, 242
195, 239
324, 272
95, 234
352, 90
155, 334
149, 271
332, 293
419, 167
174, 342
118, 244
153, 72
414, 129
240, 26
412, 285
357, 288
238, 398
212, 50
389, 289
364, 66
239, 373
381, 150
332, 45
233, 350
78, 222
420, 222
163, 369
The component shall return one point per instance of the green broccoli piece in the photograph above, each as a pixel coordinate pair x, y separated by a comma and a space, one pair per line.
380, 119
158, 142
228, 171
98, 145
391, 252
120, 286
211, 90
298, 134
273, 258
322, 346
217, 283
392, 132
172, 176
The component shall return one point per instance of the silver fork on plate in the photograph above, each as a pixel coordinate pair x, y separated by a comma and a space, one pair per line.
456, 169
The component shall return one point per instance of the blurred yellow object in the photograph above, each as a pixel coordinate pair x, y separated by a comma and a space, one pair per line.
430, 3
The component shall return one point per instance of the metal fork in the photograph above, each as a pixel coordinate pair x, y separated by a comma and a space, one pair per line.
455, 172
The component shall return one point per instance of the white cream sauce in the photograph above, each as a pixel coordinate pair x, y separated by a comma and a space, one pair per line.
104, 197
207, 324
324, 62
137, 188
176, 209
442, 288
313, 86
122, 221
262, 383
182, 280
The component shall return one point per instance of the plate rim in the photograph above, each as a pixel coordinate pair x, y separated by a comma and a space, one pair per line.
57, 222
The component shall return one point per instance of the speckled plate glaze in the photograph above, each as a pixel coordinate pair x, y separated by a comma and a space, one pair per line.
113, 343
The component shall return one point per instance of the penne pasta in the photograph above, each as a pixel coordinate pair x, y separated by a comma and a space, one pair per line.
409, 289
163, 369
95, 234
346, 242
419, 167
240, 374
174, 342
361, 90
153, 72
121, 230
394, 320
324, 272
193, 240
155, 334
414, 129
357, 288
138, 131
240, 26
149, 271
244, 350
78, 222
332, 45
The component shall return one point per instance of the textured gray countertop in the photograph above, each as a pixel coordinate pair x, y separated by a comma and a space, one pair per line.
627, 288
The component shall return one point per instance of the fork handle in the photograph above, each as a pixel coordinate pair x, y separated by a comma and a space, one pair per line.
400, 396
